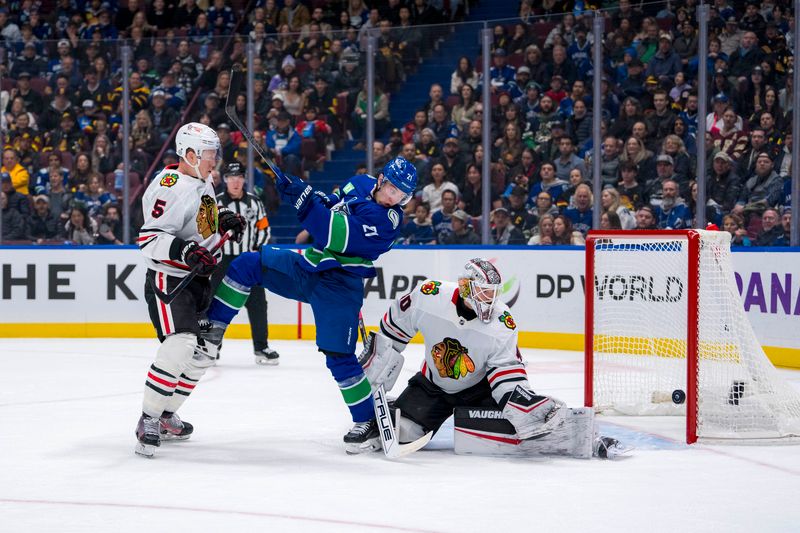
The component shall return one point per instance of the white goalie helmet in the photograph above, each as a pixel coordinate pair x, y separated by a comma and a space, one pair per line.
479, 286
197, 137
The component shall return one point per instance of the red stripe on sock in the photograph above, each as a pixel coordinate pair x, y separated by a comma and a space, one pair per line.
185, 385
157, 379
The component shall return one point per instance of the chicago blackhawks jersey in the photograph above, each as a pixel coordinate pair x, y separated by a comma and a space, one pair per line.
177, 207
459, 352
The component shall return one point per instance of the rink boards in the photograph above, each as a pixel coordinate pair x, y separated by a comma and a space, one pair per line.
98, 292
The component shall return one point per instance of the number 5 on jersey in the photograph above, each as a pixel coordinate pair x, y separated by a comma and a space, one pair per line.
158, 208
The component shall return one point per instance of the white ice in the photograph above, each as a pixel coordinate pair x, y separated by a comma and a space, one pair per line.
267, 456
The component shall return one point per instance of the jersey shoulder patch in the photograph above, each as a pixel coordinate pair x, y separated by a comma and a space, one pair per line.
394, 218
430, 288
507, 320
169, 179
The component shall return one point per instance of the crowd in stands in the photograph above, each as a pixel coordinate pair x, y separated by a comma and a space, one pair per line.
542, 105
62, 91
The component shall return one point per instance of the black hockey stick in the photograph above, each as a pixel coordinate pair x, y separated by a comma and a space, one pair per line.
168, 297
237, 74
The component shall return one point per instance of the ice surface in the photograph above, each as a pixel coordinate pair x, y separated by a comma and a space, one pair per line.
267, 456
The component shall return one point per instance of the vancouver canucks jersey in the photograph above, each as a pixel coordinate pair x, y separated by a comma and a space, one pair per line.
176, 205
459, 353
350, 230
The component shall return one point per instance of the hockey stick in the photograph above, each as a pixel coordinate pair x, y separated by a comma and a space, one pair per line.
386, 429
168, 297
230, 110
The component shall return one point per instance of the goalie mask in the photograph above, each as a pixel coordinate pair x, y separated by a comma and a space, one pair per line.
479, 287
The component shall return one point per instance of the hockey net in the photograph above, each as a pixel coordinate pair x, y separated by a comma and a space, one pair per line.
666, 334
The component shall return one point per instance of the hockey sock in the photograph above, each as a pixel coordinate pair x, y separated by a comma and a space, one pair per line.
185, 387
162, 377
243, 273
355, 387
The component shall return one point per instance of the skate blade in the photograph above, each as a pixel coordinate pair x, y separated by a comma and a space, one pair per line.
145, 450
172, 437
372, 445
618, 451
263, 361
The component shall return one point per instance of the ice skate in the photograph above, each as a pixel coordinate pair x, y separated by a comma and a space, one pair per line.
609, 448
267, 356
363, 437
173, 428
147, 433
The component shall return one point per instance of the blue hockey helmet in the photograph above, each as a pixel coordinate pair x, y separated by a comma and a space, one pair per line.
402, 174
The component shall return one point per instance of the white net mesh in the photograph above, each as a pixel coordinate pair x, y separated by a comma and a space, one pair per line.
640, 331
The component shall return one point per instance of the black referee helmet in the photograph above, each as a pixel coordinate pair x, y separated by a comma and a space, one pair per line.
234, 169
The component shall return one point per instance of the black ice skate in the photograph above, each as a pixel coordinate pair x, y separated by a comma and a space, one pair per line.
173, 428
267, 356
147, 433
609, 448
363, 437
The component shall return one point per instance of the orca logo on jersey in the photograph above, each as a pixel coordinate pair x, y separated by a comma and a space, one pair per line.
168, 180
430, 288
451, 359
507, 320
207, 217
394, 218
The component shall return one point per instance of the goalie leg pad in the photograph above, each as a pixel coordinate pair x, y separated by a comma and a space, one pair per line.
533, 415
162, 379
380, 361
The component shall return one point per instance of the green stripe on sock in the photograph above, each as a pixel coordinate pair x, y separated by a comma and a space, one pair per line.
357, 393
231, 296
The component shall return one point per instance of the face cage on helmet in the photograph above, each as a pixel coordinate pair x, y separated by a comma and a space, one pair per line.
483, 296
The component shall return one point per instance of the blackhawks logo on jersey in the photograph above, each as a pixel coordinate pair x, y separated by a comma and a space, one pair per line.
431, 287
168, 180
207, 221
508, 320
451, 359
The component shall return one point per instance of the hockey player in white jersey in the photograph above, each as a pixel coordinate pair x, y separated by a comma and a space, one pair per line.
471, 358
181, 225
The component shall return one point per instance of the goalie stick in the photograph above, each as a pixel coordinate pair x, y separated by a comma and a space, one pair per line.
168, 297
386, 429
230, 110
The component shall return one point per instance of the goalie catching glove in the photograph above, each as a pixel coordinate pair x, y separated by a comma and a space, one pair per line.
380, 361
234, 222
533, 415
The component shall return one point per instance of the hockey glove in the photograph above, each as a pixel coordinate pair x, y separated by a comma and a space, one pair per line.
198, 257
228, 220
381, 362
533, 415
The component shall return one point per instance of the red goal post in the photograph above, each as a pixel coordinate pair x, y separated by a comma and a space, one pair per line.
666, 334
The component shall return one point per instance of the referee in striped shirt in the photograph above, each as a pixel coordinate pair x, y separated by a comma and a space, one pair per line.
255, 234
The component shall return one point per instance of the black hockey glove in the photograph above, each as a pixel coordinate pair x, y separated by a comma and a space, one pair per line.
196, 256
228, 220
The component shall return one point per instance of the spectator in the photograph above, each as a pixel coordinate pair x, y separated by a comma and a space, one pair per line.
60, 197
110, 229
549, 183
609, 220
464, 74
734, 225
427, 147
441, 219
544, 232
33, 100
144, 135
501, 75
420, 229
472, 136
665, 63
293, 98
509, 147
80, 229
503, 231
636, 153
222, 18
441, 124
464, 112
19, 176
315, 128
42, 224
645, 218
763, 189
771, 229
579, 125
432, 192
380, 112
682, 162
461, 232
567, 159
672, 213
660, 123
284, 144
520, 216
567, 198
786, 224
13, 221
746, 56
412, 131
610, 202
471, 196
103, 160
563, 233
581, 214
95, 197
730, 138
164, 118
724, 184
185, 14
295, 14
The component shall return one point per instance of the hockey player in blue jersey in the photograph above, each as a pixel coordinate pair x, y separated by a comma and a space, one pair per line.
350, 229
